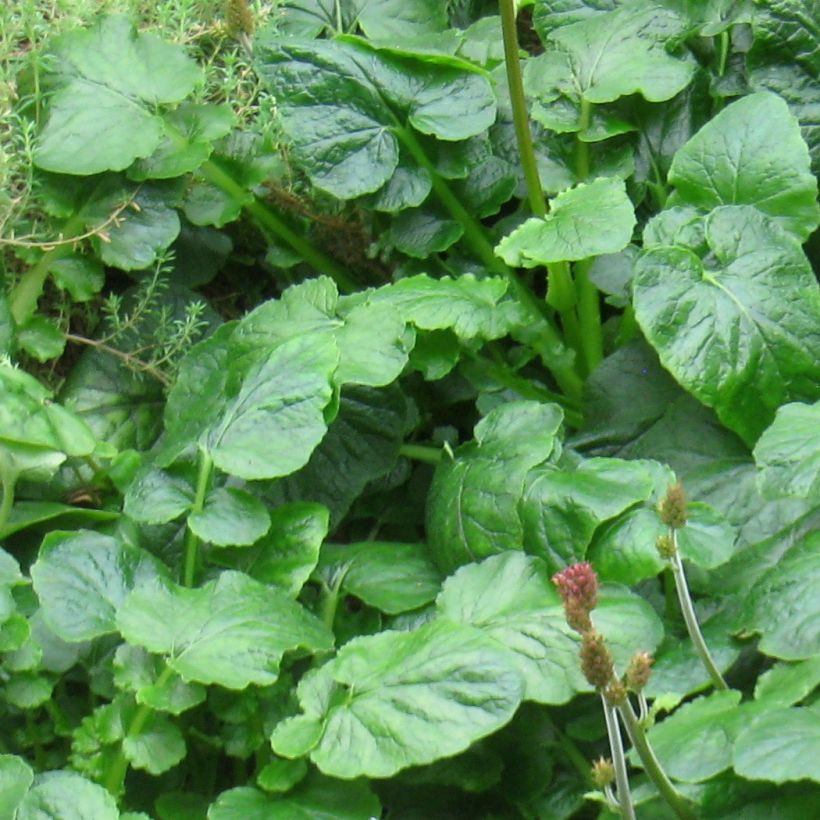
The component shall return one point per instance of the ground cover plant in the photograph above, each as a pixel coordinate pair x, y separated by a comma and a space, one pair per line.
409, 409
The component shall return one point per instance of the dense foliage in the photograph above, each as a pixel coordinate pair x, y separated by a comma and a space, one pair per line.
329, 336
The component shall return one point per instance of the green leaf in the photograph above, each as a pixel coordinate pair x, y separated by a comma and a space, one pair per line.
157, 747
783, 607
399, 20
230, 517
511, 599
15, 778
142, 231
41, 339
189, 133
280, 775
287, 555
738, 327
110, 81
361, 445
82, 577
780, 745
471, 505
64, 795
158, 496
751, 153
314, 797
400, 699
232, 631
606, 56
27, 690
788, 453
552, 14
468, 306
82, 277
695, 743
588, 220
421, 232
561, 509
344, 104
276, 420
788, 683
392, 577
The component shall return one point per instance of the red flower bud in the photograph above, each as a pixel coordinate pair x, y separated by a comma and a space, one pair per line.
596, 660
578, 587
672, 508
638, 671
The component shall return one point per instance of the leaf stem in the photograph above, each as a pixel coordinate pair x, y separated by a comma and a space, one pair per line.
663, 784
618, 761
115, 777
8, 481
330, 598
205, 467
476, 237
269, 220
689, 616
589, 313
521, 122
724, 52
421, 452
582, 147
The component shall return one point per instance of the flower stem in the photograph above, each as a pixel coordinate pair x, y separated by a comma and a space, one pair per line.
205, 469
653, 767
8, 480
115, 777
582, 147
691, 619
618, 761
421, 452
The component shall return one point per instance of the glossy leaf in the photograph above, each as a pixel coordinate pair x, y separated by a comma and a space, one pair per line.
64, 795
158, 496
588, 220
15, 778
788, 453
343, 103
232, 631
738, 327
230, 517
780, 745
782, 606
110, 81
750, 154
404, 699
82, 577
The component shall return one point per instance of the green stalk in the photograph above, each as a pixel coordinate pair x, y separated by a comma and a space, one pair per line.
691, 619
476, 238
8, 481
24, 296
421, 452
581, 147
330, 599
724, 52
269, 220
115, 777
616, 748
589, 313
651, 764
519, 109
561, 290
205, 467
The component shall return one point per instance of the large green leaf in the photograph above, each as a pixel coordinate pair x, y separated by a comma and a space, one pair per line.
64, 795
751, 153
511, 599
606, 56
471, 505
361, 445
315, 797
780, 745
233, 631
82, 577
230, 517
561, 508
276, 420
401, 699
468, 306
158, 496
591, 219
15, 778
289, 552
788, 453
110, 81
391, 577
737, 328
157, 747
783, 606
344, 104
